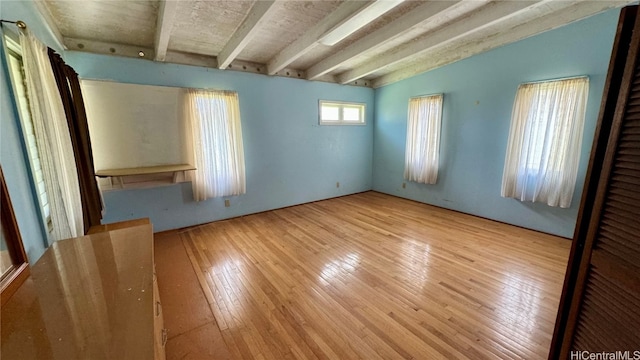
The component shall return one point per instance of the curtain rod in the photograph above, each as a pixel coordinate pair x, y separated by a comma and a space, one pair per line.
20, 24
557, 79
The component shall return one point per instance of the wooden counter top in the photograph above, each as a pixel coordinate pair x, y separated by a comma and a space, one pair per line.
87, 298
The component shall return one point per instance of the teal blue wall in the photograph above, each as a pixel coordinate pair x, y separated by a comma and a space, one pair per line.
474, 135
290, 159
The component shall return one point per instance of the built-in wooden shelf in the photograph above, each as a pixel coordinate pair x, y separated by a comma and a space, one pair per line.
146, 170
143, 176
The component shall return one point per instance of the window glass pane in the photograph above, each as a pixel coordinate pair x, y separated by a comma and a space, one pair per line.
544, 141
341, 113
330, 113
352, 113
423, 139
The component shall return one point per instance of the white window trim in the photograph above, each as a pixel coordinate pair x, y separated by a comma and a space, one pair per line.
342, 105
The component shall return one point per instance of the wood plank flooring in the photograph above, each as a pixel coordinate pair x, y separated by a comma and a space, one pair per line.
362, 276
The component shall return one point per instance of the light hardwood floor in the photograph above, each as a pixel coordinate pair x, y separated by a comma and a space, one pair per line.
363, 276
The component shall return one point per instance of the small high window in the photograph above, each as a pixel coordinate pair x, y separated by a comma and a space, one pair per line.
341, 113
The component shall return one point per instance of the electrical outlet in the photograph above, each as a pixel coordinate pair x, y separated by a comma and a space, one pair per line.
404, 185
227, 203
338, 184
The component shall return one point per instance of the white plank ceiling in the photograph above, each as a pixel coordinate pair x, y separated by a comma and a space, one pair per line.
292, 38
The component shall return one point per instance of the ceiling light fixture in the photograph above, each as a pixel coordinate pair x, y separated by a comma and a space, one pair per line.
141, 53
358, 21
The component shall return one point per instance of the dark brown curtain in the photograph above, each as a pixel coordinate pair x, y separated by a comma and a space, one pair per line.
69, 87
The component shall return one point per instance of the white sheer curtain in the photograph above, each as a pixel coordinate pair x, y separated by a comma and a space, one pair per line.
423, 139
543, 150
53, 140
216, 137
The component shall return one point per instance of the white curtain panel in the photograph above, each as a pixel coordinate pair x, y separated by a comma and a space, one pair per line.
423, 139
544, 144
216, 137
53, 140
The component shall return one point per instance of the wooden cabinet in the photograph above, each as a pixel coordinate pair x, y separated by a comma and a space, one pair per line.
92, 297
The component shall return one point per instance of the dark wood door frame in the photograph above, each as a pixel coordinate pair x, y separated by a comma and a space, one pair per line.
20, 269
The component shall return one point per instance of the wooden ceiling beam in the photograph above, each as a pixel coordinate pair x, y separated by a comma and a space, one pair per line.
164, 25
245, 32
311, 38
108, 48
430, 12
484, 17
497, 36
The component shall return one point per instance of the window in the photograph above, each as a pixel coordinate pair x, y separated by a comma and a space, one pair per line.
543, 150
423, 139
341, 113
17, 75
217, 143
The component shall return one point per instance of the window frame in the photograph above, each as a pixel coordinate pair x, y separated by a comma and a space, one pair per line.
533, 165
548, 119
212, 139
542, 120
11, 45
413, 140
341, 106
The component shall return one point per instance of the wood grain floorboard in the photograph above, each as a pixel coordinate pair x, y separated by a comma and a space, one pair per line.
365, 276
